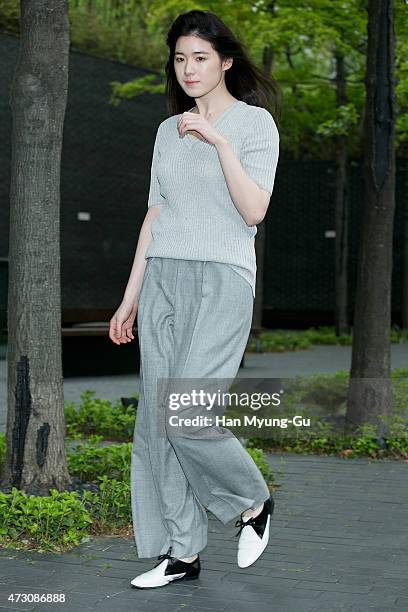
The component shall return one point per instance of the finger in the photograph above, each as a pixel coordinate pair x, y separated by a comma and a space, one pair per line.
112, 334
187, 120
187, 125
113, 338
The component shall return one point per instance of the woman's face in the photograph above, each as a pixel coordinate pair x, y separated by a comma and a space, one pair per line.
196, 61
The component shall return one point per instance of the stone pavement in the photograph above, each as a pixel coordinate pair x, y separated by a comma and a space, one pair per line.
339, 542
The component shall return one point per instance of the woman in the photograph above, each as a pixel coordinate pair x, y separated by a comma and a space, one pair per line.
192, 285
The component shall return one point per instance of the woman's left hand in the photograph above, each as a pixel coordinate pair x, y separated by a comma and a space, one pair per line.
200, 127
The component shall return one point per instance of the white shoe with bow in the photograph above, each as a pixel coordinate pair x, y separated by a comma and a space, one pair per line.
254, 534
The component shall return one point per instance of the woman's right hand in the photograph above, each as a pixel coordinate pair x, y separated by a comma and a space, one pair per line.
121, 324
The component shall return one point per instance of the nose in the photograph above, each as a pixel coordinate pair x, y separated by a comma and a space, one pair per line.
187, 70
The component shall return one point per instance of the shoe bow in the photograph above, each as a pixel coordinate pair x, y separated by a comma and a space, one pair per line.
166, 555
259, 529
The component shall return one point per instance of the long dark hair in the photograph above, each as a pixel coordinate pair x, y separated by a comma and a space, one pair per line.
244, 80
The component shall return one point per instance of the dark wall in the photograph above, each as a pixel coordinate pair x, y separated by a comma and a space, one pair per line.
299, 259
105, 171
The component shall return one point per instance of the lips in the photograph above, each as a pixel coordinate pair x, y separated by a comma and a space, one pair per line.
191, 82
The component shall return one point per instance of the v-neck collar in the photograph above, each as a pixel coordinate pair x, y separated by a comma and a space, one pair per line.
190, 140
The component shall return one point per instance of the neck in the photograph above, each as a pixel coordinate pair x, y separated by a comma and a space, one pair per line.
210, 108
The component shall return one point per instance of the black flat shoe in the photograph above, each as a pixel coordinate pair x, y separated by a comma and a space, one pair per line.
167, 569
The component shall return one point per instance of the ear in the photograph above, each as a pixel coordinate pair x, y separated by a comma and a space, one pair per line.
228, 63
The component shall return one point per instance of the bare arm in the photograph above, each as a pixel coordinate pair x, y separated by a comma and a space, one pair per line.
121, 324
250, 200
132, 291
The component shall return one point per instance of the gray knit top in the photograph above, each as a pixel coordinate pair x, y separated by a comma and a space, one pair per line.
198, 219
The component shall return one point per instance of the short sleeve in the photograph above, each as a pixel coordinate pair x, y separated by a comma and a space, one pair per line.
260, 150
155, 195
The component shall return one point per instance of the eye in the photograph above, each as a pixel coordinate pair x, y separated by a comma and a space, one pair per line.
181, 59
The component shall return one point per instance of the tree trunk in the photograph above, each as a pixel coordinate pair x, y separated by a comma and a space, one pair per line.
341, 213
36, 458
370, 392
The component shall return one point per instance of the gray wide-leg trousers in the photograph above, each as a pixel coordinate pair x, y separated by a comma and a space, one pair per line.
194, 320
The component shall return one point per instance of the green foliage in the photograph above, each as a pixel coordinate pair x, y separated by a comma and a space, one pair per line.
401, 73
98, 416
323, 395
55, 522
327, 442
115, 30
328, 391
111, 507
126, 91
278, 341
340, 125
88, 461
281, 340
326, 334
402, 127
3, 448
63, 519
258, 455
323, 440
10, 15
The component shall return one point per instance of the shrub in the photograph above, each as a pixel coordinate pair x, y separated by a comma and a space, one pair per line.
52, 522
98, 416
258, 455
88, 462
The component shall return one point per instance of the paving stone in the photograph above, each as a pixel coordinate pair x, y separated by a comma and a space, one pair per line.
285, 604
73, 603
338, 544
327, 598
401, 603
369, 606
